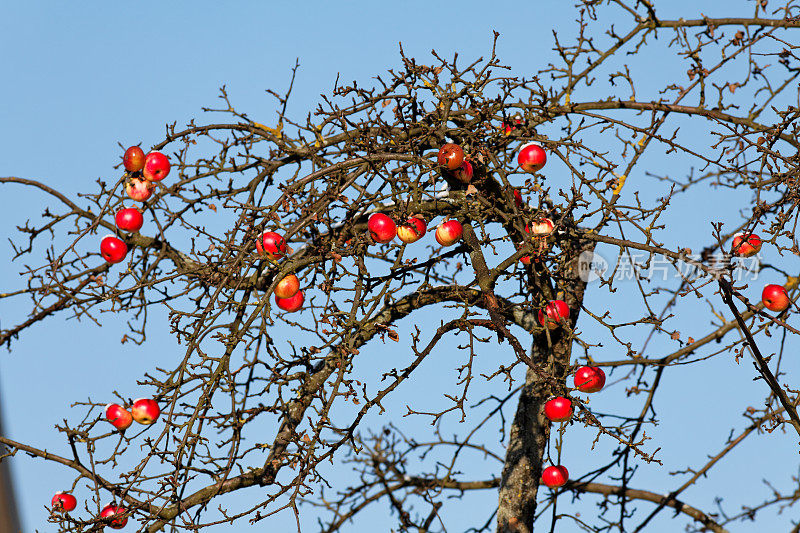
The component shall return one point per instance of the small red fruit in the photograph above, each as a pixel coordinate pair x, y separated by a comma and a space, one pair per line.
542, 228
290, 305
746, 248
531, 158
145, 411
558, 409
517, 198
112, 510
133, 160
139, 189
464, 172
590, 379
450, 156
287, 287
271, 245
555, 476
63, 502
775, 298
119, 417
156, 166
556, 311
381, 227
449, 232
413, 230
129, 219
113, 249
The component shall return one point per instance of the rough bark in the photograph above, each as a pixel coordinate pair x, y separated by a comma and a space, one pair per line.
530, 430
9, 520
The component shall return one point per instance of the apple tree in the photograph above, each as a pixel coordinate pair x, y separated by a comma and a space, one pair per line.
316, 268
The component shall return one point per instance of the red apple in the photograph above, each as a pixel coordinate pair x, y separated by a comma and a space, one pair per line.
558, 409
271, 245
113, 249
775, 298
129, 219
590, 378
541, 228
413, 230
556, 311
381, 227
119, 417
133, 160
532, 157
746, 248
145, 411
464, 172
449, 232
138, 189
555, 476
290, 305
156, 166
517, 198
287, 287
112, 510
63, 502
451, 156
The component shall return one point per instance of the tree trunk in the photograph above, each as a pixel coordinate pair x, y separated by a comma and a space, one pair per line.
9, 521
530, 430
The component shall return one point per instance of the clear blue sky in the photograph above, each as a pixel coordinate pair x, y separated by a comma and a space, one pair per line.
80, 78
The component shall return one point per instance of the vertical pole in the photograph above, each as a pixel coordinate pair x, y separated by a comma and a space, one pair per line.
9, 519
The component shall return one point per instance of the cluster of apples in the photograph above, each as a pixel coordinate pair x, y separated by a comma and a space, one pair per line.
587, 379
144, 411
144, 171
288, 295
64, 502
383, 229
455, 164
774, 297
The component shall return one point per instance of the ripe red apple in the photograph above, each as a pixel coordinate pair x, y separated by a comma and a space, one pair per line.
381, 227
590, 379
558, 409
133, 160
413, 230
287, 287
156, 166
556, 311
746, 248
63, 502
532, 157
449, 232
517, 198
112, 510
464, 172
138, 189
555, 476
451, 156
271, 245
290, 305
129, 219
113, 249
775, 298
145, 411
541, 228
119, 417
